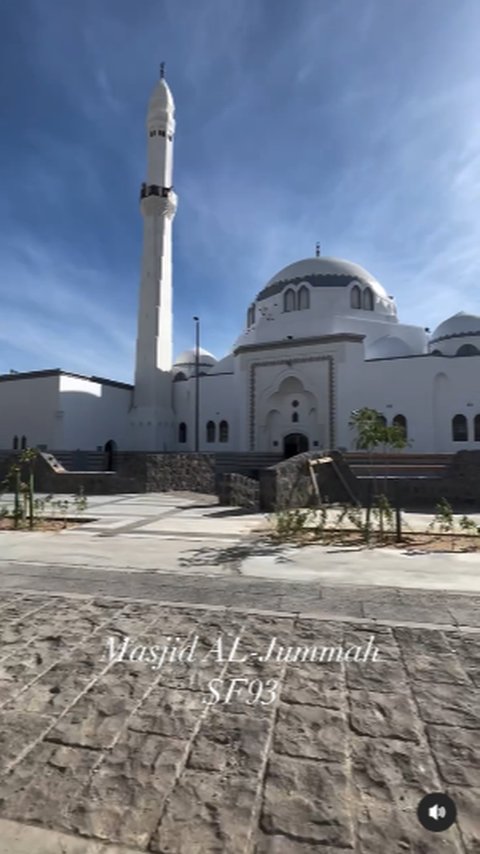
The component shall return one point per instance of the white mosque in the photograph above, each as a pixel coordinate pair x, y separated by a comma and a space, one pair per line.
321, 339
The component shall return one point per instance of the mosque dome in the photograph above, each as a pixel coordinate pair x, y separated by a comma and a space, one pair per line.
388, 347
187, 358
321, 272
460, 325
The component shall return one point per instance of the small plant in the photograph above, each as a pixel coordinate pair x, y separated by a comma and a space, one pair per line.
443, 519
80, 501
62, 507
383, 513
321, 521
289, 523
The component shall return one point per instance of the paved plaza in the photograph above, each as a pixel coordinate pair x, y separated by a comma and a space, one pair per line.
358, 696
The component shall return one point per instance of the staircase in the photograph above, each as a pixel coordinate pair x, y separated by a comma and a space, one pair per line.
398, 465
81, 460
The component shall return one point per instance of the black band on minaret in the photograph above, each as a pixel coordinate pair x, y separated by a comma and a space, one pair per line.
162, 70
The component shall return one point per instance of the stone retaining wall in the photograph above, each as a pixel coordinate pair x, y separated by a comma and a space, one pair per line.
289, 483
168, 472
135, 472
237, 490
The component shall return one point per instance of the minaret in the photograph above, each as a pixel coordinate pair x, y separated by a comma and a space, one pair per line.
153, 417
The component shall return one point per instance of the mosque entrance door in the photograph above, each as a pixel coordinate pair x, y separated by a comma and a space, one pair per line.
294, 443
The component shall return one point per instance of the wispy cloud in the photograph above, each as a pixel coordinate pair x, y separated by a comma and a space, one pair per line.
353, 124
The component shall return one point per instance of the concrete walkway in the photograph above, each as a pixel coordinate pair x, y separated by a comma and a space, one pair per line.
190, 533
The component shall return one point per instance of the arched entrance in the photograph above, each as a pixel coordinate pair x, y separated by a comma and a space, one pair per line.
110, 449
294, 443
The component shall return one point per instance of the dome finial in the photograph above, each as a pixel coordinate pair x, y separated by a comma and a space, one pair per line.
162, 70
317, 250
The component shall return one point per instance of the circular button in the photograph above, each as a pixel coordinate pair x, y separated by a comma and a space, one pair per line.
436, 812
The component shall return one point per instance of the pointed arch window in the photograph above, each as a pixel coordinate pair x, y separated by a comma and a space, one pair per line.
223, 431
459, 428
182, 432
210, 431
295, 416
368, 299
24, 443
289, 300
382, 420
356, 297
303, 298
476, 428
401, 421
15, 443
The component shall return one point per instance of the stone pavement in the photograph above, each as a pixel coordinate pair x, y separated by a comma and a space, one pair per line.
322, 752
309, 755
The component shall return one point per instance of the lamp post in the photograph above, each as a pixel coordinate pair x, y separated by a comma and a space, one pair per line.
197, 383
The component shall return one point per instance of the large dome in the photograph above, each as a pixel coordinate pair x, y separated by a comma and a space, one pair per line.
460, 325
321, 272
206, 359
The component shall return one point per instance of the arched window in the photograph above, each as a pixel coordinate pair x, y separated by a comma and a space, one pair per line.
289, 300
182, 432
368, 299
401, 421
294, 416
356, 297
252, 314
210, 431
476, 428
303, 297
467, 350
24, 442
436, 353
178, 377
15, 443
223, 431
459, 428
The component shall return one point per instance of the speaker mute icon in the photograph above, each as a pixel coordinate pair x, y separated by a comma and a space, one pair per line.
436, 812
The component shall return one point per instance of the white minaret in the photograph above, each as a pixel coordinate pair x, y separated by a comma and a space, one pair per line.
152, 416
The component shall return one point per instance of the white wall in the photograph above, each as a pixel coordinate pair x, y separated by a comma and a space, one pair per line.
217, 403
92, 414
29, 407
427, 390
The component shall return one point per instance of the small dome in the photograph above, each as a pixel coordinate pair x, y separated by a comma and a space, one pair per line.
322, 272
460, 325
206, 359
388, 347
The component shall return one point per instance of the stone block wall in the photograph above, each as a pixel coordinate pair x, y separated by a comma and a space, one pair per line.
135, 472
289, 483
237, 490
168, 472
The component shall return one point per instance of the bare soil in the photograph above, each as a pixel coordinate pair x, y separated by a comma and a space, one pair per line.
39, 525
410, 542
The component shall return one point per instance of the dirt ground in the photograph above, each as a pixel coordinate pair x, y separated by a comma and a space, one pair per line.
411, 541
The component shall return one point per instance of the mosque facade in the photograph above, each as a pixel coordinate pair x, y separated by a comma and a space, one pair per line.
321, 339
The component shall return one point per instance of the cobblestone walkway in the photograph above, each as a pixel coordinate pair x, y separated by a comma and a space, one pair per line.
334, 758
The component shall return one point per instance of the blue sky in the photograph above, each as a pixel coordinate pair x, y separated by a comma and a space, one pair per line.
352, 122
